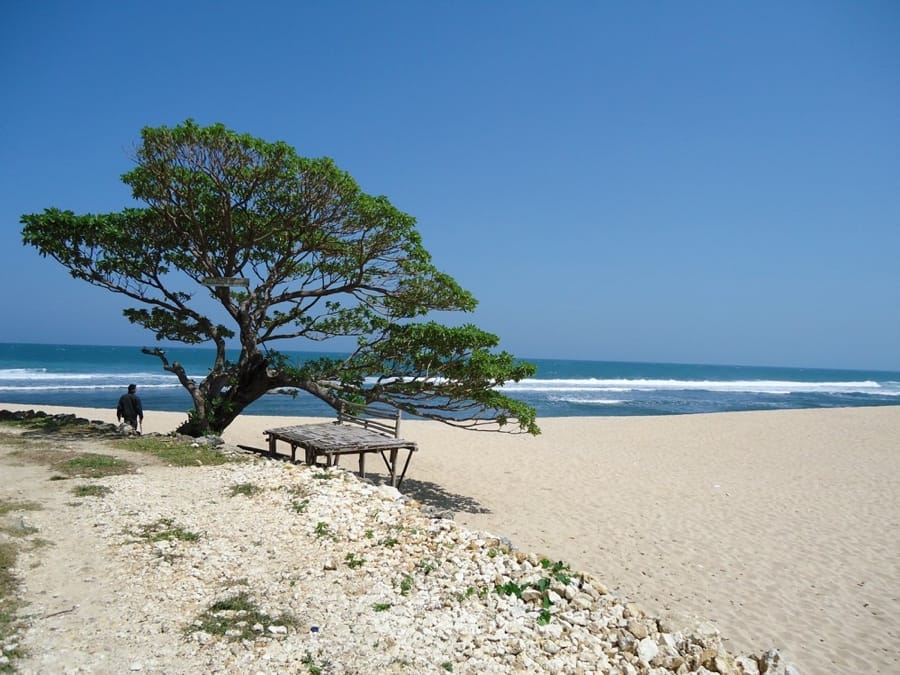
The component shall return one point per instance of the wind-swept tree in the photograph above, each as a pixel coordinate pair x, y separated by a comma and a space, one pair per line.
317, 259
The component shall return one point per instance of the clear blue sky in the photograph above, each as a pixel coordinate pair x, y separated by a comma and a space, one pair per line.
701, 182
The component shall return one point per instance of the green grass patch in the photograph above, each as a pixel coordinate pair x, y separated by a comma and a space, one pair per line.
10, 505
382, 606
20, 531
8, 584
234, 618
23, 447
92, 465
173, 451
49, 423
165, 529
91, 490
9, 603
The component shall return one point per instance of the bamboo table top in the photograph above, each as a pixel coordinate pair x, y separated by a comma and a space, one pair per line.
330, 437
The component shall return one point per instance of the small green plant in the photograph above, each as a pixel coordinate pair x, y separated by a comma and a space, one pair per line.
542, 584
323, 530
382, 606
468, 593
246, 489
312, 667
310, 664
492, 553
353, 562
406, 584
91, 490
426, 566
558, 570
510, 588
370, 534
322, 475
299, 506
448, 666
390, 542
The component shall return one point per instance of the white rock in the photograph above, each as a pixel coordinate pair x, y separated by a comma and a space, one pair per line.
747, 665
647, 649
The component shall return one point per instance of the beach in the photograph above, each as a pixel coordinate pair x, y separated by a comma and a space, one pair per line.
782, 528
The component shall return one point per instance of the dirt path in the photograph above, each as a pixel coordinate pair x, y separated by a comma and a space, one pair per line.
71, 587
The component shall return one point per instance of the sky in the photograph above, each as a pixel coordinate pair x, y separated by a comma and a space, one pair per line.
689, 182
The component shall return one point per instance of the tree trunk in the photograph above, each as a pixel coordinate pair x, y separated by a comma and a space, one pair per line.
215, 410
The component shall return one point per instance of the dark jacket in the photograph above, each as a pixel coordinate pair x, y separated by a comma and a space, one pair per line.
129, 408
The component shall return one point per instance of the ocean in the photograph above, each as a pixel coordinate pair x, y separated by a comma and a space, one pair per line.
95, 377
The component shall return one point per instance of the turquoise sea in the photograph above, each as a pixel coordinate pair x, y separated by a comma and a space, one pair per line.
95, 376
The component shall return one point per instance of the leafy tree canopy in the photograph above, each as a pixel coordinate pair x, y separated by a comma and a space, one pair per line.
321, 260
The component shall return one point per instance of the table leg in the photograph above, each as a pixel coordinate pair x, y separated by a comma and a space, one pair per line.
393, 467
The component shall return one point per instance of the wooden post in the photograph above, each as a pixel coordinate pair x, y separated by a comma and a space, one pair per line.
394, 467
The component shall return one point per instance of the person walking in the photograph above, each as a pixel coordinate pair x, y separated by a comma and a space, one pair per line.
130, 408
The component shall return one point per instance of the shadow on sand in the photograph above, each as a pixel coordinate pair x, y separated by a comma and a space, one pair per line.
437, 497
428, 493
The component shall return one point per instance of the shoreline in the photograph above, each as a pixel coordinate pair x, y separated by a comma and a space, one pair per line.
779, 526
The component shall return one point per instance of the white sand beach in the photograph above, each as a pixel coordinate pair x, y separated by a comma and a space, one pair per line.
782, 528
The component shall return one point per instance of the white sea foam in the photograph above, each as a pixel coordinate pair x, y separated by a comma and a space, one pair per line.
589, 401
31, 374
83, 387
746, 386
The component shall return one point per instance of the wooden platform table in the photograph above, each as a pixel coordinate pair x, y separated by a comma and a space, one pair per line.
332, 440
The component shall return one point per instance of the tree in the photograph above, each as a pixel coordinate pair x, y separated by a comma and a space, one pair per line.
321, 259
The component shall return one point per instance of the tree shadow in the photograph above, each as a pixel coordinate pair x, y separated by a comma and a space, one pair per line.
431, 495
437, 497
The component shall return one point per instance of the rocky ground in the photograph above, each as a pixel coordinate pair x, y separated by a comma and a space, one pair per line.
266, 567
